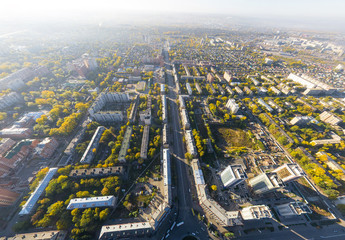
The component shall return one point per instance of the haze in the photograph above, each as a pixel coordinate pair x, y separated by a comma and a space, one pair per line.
324, 13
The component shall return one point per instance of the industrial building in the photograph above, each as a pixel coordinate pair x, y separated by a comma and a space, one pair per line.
92, 202
31, 202
90, 151
233, 175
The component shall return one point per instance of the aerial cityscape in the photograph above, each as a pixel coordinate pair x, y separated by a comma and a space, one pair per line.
172, 120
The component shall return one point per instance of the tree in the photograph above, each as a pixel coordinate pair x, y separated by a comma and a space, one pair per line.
229, 235
104, 214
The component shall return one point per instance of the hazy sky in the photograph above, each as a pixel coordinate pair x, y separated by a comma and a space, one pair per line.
322, 9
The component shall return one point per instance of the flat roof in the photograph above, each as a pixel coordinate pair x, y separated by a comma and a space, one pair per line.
125, 227
30, 203
90, 202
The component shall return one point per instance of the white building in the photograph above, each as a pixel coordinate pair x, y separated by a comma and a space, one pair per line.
10, 99
330, 118
265, 182
264, 104
92, 202
232, 106
90, 151
185, 119
190, 143
31, 202
189, 89
289, 172
233, 175
256, 212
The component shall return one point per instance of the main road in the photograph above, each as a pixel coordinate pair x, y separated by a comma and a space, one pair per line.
191, 225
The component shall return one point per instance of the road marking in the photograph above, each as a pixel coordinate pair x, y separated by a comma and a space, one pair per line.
332, 236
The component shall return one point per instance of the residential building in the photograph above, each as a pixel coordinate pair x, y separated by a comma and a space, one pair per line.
232, 106
239, 91
190, 143
10, 99
189, 89
164, 109
31, 202
303, 120
330, 118
92, 202
232, 176
210, 77
227, 76
264, 104
125, 144
46, 235
5, 145
15, 133
145, 117
16, 80
167, 176
335, 139
198, 88
46, 147
185, 119
91, 149
275, 90
7, 197
214, 211
126, 230
145, 142
97, 172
